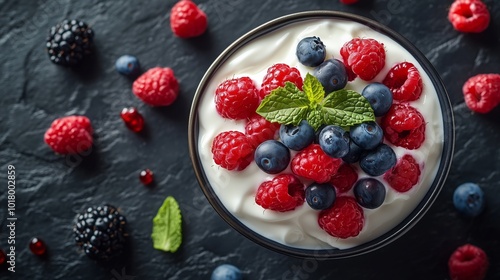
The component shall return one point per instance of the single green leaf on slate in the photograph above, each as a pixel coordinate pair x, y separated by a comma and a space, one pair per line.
315, 117
313, 89
346, 108
167, 226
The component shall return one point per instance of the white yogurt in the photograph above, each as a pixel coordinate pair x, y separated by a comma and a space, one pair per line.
299, 228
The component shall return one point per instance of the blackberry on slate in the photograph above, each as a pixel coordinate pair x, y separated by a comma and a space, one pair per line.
100, 232
69, 42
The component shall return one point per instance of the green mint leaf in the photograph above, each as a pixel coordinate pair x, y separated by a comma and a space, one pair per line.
167, 226
313, 89
285, 105
315, 117
346, 108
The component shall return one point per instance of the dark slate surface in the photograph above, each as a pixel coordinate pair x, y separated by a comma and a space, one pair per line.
51, 189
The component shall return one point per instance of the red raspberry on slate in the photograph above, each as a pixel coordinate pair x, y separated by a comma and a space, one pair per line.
3, 257
470, 16
232, 150
258, 129
404, 175
146, 177
363, 57
237, 98
404, 126
312, 163
404, 81
69, 135
187, 20
482, 92
344, 219
345, 178
37, 246
468, 262
277, 75
283, 193
348, 2
157, 87
133, 119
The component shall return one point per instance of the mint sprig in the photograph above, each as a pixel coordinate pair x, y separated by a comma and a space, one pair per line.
167, 226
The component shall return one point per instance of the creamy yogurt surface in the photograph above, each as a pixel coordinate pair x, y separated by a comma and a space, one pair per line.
299, 228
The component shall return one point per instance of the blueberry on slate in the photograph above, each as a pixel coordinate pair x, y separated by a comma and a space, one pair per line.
354, 154
379, 96
369, 192
334, 141
311, 51
320, 196
332, 75
367, 135
297, 137
272, 156
468, 199
127, 65
378, 161
226, 272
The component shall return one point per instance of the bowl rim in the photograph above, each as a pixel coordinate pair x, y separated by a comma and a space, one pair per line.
384, 239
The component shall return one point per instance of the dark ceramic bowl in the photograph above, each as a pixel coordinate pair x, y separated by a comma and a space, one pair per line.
384, 239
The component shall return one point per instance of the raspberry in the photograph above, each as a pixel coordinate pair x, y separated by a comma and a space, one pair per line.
232, 150
404, 175
69, 135
344, 219
236, 98
187, 20
404, 126
157, 87
363, 57
312, 163
345, 178
468, 262
470, 16
348, 2
404, 81
277, 75
258, 130
283, 193
482, 92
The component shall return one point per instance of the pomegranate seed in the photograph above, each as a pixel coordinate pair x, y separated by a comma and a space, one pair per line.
146, 176
3, 257
133, 119
37, 246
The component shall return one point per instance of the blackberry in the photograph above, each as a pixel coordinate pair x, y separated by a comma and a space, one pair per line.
100, 232
69, 42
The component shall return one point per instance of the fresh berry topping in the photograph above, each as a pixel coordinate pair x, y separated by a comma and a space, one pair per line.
404, 175
237, 98
146, 177
367, 135
404, 126
232, 150
69, 42
272, 156
258, 130
334, 141
369, 192
187, 20
100, 232
404, 81
470, 16
311, 51
297, 137
226, 272
348, 2
277, 75
379, 96
128, 65
3, 257
364, 57
283, 193
482, 92
345, 178
354, 154
344, 219
312, 163
320, 196
37, 246
468, 262
133, 119
157, 87
378, 161
332, 75
468, 199
70, 135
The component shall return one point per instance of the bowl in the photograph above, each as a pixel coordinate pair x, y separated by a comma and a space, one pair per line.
296, 243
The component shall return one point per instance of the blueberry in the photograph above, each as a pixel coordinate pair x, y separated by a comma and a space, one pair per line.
311, 51
354, 154
379, 96
367, 135
127, 65
226, 272
297, 137
332, 75
320, 196
272, 156
369, 192
378, 161
334, 141
468, 199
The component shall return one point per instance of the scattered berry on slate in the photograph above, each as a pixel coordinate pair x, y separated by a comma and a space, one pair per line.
69, 42
277, 75
187, 20
3, 257
404, 175
345, 178
157, 87
312, 163
469, 16
133, 119
369, 192
146, 177
128, 65
404, 126
468, 262
404, 81
311, 51
332, 75
272, 156
344, 219
258, 130
283, 193
334, 141
236, 98
482, 92
468, 199
320, 196
378, 161
380, 98
364, 57
37, 246
226, 272
348, 2
70, 135
367, 135
297, 137
232, 150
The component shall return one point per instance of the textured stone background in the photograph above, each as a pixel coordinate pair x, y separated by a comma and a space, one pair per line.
51, 189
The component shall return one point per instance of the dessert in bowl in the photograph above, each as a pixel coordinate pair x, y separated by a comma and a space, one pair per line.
380, 190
